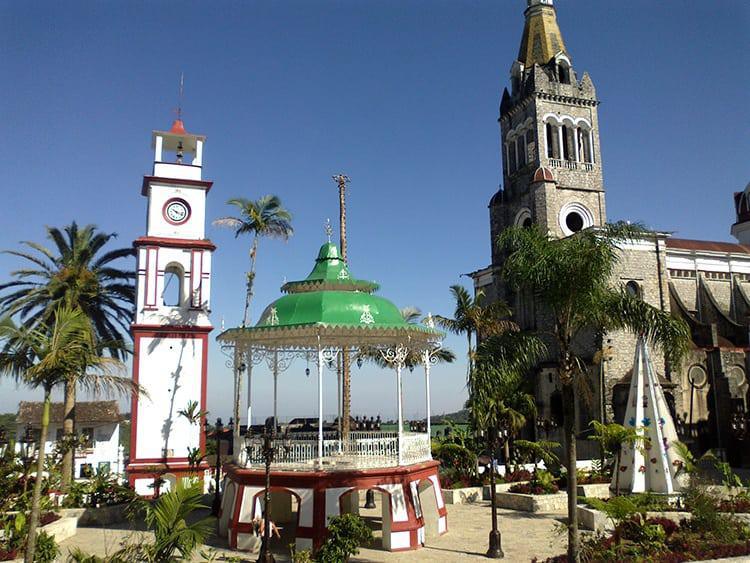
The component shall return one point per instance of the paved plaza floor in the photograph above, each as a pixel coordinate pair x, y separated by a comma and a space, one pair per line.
524, 536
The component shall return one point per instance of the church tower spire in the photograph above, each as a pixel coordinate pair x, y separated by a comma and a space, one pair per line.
541, 38
549, 137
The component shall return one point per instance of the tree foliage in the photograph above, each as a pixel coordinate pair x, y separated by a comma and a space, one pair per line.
572, 280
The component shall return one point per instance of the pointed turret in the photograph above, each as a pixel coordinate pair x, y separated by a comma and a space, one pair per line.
541, 38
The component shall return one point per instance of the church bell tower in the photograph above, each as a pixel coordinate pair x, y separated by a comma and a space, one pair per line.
549, 137
171, 326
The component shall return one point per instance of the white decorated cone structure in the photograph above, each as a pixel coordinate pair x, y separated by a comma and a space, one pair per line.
652, 463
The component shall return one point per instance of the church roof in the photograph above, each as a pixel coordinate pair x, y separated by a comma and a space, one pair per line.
707, 245
541, 38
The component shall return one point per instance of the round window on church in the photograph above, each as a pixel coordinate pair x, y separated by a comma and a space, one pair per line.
574, 221
574, 217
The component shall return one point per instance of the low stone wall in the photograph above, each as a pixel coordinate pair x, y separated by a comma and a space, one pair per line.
467, 495
499, 488
592, 519
532, 503
96, 517
61, 529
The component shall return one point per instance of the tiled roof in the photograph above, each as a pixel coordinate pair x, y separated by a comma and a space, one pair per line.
707, 245
85, 412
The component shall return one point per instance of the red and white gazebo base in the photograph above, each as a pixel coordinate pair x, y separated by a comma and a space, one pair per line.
415, 506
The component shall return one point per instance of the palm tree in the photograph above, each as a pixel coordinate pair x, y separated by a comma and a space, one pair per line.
572, 279
44, 356
80, 273
612, 438
475, 319
264, 217
497, 402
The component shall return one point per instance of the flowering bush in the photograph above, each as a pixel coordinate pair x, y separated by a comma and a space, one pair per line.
541, 483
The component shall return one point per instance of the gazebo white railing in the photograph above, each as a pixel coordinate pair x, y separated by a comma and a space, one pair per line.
362, 450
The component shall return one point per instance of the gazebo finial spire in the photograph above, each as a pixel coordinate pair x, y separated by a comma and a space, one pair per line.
328, 229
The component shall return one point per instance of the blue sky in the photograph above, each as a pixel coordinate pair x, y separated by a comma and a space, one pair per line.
401, 95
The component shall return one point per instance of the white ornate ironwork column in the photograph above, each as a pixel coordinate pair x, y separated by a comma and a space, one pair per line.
320, 401
275, 388
237, 390
396, 357
427, 360
249, 394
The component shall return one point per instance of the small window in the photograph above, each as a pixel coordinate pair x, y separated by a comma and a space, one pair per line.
565, 150
521, 145
172, 293
86, 471
574, 221
59, 433
512, 150
103, 467
563, 73
633, 289
527, 223
87, 437
550, 139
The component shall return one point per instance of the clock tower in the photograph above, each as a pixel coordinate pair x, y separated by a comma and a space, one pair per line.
171, 326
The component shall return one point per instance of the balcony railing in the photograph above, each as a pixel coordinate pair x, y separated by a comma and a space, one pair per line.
362, 450
570, 164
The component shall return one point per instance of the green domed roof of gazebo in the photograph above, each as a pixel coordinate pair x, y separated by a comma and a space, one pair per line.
330, 296
330, 303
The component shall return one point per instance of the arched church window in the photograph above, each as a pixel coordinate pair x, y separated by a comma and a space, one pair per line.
634, 290
563, 72
521, 147
172, 293
512, 166
565, 142
549, 134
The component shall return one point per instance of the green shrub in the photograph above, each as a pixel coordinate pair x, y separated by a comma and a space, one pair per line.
459, 459
46, 548
345, 534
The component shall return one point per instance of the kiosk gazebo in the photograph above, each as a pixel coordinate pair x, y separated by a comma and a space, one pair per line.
320, 316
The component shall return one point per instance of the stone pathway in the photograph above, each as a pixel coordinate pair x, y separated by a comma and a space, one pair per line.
524, 536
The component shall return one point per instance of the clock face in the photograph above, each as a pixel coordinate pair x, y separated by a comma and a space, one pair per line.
176, 211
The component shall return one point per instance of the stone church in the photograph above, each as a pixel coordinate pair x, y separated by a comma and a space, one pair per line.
553, 177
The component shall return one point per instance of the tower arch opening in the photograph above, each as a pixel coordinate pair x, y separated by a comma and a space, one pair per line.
172, 294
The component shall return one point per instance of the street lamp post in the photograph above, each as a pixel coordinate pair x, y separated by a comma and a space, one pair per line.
27, 452
498, 436
269, 447
219, 435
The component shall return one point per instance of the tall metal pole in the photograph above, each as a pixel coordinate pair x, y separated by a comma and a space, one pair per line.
346, 400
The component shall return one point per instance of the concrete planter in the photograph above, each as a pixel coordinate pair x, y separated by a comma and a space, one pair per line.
592, 519
61, 529
467, 495
532, 503
97, 517
594, 490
